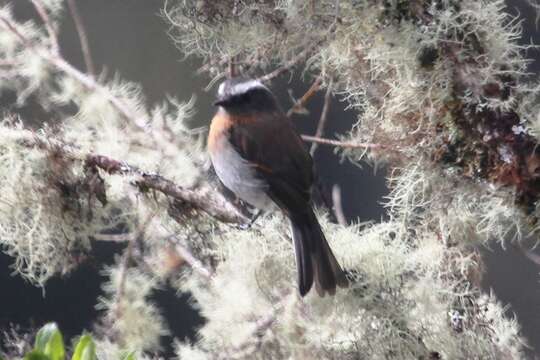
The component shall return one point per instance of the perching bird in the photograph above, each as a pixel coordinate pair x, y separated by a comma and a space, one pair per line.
258, 155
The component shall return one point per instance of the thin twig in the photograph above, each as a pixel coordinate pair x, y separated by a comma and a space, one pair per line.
128, 252
128, 255
337, 207
84, 79
295, 60
261, 325
322, 121
119, 238
85, 47
529, 253
93, 85
206, 67
4, 62
11, 27
232, 73
195, 263
343, 144
301, 103
48, 25
303, 54
375, 90
289, 64
180, 250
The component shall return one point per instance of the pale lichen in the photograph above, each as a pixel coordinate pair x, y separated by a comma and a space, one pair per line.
130, 316
440, 89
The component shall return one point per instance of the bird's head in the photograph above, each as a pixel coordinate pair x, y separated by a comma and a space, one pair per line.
240, 95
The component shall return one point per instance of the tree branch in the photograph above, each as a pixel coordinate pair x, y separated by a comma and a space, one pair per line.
203, 198
193, 262
260, 327
301, 103
8, 25
343, 144
87, 81
288, 65
232, 71
38, 5
338, 206
322, 121
302, 55
181, 251
85, 47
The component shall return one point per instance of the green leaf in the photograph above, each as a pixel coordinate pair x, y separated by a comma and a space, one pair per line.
36, 355
129, 356
85, 349
49, 341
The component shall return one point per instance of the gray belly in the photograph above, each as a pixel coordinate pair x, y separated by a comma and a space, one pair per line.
239, 177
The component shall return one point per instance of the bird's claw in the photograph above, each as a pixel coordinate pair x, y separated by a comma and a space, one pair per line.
245, 226
248, 225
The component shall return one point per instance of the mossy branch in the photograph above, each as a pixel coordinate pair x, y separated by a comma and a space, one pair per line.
203, 198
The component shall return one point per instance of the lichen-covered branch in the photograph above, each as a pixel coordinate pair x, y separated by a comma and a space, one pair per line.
202, 198
441, 94
55, 59
440, 88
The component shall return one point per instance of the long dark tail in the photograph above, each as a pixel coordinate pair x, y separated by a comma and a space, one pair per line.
314, 258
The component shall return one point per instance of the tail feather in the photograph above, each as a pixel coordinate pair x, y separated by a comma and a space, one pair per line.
304, 264
314, 258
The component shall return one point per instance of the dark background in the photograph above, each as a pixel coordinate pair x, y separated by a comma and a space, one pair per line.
128, 37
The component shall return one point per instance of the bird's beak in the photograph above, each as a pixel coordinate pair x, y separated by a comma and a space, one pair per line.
222, 101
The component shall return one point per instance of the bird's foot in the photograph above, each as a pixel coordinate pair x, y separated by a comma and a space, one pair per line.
248, 225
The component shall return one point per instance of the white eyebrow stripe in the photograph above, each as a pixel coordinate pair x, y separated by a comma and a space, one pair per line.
241, 88
246, 86
221, 89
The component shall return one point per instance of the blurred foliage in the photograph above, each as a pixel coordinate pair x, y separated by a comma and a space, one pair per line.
49, 345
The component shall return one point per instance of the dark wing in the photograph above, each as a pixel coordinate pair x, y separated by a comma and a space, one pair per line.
275, 150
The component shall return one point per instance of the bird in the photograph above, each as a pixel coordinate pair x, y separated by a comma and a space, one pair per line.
258, 155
